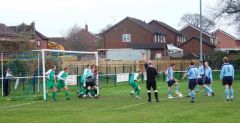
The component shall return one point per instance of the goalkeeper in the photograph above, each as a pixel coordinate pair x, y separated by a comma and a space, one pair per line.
61, 81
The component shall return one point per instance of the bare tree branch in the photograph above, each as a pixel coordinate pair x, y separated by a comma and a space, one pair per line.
207, 24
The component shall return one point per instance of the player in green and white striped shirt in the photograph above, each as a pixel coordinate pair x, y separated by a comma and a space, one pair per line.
134, 84
51, 82
61, 79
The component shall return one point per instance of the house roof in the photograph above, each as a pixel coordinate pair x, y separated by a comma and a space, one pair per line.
205, 42
197, 28
166, 26
41, 35
147, 45
136, 21
225, 34
60, 40
13, 30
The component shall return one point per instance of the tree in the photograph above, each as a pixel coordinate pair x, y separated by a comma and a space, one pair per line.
215, 59
73, 39
189, 18
105, 28
229, 9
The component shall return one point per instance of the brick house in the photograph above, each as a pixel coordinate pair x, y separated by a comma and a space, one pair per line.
59, 40
173, 36
225, 41
85, 40
22, 33
136, 34
190, 31
192, 46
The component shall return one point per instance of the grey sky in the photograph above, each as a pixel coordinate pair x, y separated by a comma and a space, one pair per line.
54, 17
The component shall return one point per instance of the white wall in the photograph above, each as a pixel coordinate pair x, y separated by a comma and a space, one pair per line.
127, 54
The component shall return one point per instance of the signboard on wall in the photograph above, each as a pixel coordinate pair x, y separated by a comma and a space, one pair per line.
71, 80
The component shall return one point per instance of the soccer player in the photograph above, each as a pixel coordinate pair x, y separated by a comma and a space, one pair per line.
51, 82
171, 81
95, 84
227, 77
62, 76
133, 82
151, 79
208, 77
200, 78
192, 74
88, 81
86, 73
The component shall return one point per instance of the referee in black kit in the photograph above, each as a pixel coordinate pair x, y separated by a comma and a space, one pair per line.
151, 78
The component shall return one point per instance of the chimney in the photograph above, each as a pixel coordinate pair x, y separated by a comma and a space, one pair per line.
86, 27
33, 25
33, 29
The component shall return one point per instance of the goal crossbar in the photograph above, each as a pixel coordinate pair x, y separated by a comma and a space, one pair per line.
42, 51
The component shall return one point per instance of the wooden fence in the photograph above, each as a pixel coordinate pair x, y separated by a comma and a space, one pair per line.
114, 67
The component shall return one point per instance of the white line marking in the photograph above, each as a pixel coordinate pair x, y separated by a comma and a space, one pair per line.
104, 109
11, 106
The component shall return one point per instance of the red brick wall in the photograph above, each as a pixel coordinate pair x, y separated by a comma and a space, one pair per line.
43, 44
154, 52
238, 43
89, 40
224, 41
171, 37
193, 46
190, 32
113, 38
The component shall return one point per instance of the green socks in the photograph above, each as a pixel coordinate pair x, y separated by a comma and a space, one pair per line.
54, 95
67, 94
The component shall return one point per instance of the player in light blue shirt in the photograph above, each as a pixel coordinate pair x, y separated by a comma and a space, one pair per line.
171, 81
208, 78
200, 75
201, 79
227, 77
192, 74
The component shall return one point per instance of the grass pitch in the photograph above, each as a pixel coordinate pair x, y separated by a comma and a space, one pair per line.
115, 105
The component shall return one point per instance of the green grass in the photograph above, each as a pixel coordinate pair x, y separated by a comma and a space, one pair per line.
116, 106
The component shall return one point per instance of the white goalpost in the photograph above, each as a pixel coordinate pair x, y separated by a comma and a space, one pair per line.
43, 51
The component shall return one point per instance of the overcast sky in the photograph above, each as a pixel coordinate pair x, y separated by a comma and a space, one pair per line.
54, 17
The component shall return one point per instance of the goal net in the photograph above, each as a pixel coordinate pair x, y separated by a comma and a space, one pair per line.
28, 71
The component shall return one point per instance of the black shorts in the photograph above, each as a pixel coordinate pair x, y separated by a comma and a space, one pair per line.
171, 82
91, 84
200, 81
227, 80
151, 84
207, 80
192, 83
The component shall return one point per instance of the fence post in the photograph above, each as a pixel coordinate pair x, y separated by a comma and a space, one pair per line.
33, 82
115, 80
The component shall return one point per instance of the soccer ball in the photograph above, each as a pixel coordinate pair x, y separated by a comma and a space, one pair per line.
180, 95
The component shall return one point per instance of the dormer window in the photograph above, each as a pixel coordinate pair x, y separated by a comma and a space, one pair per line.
181, 39
159, 38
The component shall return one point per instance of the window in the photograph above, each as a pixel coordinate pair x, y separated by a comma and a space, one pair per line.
181, 39
211, 40
155, 38
159, 38
126, 38
38, 43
